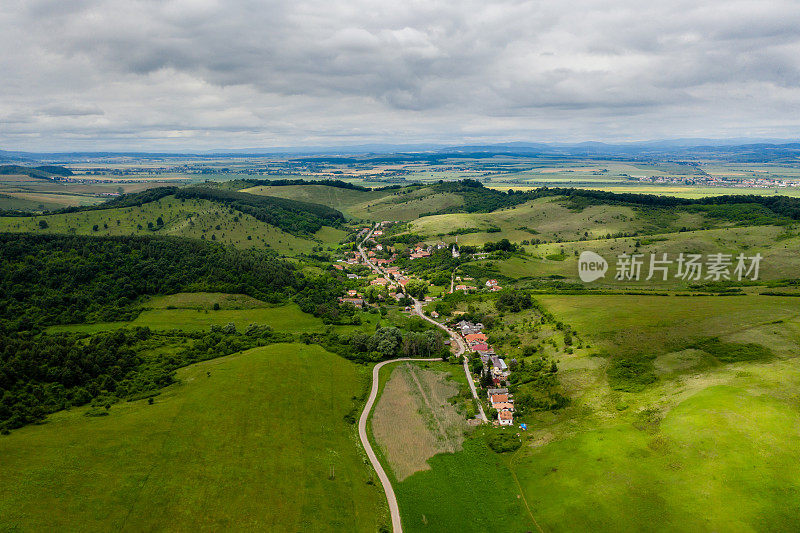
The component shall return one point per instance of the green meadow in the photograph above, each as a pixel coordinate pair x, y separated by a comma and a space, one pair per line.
280, 318
724, 459
709, 444
778, 247
252, 441
391, 204
660, 324
344, 200
470, 490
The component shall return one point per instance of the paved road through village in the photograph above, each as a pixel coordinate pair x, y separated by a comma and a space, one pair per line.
397, 526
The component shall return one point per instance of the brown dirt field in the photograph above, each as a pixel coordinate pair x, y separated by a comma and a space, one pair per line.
413, 421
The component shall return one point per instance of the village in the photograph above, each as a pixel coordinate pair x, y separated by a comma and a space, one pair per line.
396, 285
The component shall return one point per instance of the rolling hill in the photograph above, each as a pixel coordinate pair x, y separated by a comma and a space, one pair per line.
195, 218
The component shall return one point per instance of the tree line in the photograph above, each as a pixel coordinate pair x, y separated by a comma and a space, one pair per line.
56, 279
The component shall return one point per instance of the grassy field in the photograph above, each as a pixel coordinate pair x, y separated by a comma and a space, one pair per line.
196, 219
710, 445
372, 205
245, 442
13, 201
724, 459
32, 194
469, 490
344, 200
413, 421
660, 324
549, 219
204, 300
281, 318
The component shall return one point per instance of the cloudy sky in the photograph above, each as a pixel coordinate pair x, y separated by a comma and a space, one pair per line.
201, 74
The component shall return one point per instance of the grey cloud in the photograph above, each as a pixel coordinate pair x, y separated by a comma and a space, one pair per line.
288, 71
70, 111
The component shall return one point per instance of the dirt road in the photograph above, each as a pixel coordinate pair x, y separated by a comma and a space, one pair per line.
394, 511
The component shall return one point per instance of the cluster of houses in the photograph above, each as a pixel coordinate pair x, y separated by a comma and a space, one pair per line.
352, 297
495, 366
503, 402
420, 252
493, 286
463, 286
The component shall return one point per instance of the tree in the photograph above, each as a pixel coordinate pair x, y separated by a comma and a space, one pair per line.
386, 341
43, 224
417, 288
441, 278
160, 221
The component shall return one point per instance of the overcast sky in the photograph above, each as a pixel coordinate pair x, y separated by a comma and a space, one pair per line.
200, 74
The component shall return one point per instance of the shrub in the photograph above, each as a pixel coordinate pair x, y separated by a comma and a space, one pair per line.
503, 441
730, 352
630, 375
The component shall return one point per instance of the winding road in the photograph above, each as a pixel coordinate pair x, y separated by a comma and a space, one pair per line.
397, 527
454, 337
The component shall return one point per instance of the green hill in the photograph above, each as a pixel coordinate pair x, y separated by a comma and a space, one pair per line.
252, 441
194, 218
348, 201
43, 172
406, 203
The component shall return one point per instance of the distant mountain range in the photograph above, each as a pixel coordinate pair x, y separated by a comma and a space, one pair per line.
742, 150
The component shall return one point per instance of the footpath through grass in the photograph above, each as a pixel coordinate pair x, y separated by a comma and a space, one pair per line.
253, 441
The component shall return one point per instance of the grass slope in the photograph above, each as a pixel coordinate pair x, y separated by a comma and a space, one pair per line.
470, 490
396, 204
709, 446
548, 219
194, 218
659, 324
336, 197
778, 246
249, 447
